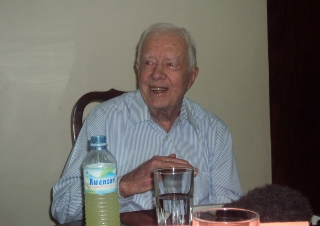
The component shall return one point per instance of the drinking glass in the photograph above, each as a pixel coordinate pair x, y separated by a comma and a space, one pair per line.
174, 195
225, 217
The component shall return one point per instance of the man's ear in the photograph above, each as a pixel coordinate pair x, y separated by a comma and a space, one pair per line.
193, 75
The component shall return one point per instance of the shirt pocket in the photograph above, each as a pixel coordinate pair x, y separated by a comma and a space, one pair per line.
202, 187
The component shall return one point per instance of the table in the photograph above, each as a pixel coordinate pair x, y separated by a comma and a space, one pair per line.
136, 218
149, 218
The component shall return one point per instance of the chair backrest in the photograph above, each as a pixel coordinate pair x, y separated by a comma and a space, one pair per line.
77, 111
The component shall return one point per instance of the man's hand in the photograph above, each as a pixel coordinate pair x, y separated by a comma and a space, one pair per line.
141, 179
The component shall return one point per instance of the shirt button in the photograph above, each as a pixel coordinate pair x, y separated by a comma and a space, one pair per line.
167, 137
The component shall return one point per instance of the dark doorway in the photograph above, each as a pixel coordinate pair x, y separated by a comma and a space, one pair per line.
294, 64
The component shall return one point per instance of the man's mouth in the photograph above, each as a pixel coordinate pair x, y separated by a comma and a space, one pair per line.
158, 89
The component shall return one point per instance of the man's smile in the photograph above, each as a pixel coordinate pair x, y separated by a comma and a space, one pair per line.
158, 89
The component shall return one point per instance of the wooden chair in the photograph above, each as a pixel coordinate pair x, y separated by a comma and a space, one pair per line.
77, 111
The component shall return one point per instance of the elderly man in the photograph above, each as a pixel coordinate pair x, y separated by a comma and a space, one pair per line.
155, 127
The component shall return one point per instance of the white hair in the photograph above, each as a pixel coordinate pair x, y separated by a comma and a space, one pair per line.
163, 27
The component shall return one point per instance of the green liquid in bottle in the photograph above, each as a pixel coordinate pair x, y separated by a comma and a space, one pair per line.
102, 209
100, 185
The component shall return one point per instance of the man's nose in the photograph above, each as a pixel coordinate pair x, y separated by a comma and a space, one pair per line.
158, 72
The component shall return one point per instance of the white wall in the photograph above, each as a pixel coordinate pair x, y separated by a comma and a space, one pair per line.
52, 52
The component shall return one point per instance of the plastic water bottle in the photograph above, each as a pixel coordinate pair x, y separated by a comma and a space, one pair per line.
100, 185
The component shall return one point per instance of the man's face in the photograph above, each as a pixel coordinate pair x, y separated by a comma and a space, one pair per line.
163, 72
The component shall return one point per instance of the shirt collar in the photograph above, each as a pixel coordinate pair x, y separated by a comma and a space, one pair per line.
139, 111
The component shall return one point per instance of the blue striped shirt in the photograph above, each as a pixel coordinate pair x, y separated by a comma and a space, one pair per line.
197, 136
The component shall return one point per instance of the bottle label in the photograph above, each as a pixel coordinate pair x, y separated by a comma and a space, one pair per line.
100, 178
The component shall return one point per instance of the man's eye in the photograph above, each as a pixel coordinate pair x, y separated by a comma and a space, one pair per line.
148, 63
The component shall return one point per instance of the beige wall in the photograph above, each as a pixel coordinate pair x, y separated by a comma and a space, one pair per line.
51, 52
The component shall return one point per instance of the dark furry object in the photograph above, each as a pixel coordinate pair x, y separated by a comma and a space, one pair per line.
276, 203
